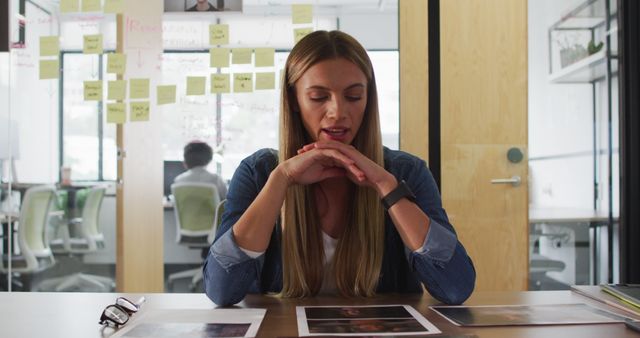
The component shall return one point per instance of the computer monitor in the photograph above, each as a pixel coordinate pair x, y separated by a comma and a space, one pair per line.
171, 170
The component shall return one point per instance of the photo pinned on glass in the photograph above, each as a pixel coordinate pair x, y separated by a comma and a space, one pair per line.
118, 314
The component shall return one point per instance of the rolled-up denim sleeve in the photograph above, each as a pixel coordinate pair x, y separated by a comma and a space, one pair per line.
442, 263
229, 271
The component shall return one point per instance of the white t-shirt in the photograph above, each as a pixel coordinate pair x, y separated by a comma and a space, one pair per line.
328, 281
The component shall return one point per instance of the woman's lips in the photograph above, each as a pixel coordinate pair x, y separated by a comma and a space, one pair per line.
337, 134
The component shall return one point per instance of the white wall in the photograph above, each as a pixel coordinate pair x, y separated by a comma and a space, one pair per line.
560, 122
34, 104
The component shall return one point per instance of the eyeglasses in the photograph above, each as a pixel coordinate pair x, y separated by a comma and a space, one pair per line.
118, 314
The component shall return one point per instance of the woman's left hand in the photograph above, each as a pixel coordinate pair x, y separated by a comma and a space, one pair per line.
375, 176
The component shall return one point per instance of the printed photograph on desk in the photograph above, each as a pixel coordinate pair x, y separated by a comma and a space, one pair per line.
194, 323
509, 315
388, 320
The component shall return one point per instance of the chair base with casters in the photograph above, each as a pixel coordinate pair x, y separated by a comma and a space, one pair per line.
195, 275
86, 239
78, 282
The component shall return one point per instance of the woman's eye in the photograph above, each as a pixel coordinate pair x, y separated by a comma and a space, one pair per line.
318, 98
354, 98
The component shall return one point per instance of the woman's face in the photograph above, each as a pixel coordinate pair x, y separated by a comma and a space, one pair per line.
332, 97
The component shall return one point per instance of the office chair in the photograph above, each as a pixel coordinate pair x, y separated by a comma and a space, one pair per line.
85, 237
540, 265
212, 235
195, 210
35, 254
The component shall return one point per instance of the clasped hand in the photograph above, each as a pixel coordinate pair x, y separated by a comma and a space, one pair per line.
321, 160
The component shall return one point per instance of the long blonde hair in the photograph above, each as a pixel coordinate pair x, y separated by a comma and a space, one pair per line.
358, 256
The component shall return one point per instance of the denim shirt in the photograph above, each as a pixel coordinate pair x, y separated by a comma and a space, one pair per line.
441, 265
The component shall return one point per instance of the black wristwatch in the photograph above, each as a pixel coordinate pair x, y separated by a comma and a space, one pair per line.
401, 191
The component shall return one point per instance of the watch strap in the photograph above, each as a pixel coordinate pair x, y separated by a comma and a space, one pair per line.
400, 192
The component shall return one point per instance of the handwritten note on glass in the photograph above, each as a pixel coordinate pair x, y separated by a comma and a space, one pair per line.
117, 90
264, 57
301, 13
116, 113
265, 81
220, 83
300, 33
49, 69
195, 85
114, 6
242, 82
92, 44
219, 57
49, 45
69, 6
116, 63
241, 56
218, 34
139, 111
92, 90
166, 94
139, 88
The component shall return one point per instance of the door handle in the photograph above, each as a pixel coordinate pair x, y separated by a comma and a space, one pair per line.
514, 181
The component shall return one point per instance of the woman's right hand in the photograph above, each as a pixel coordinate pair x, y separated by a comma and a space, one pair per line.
316, 165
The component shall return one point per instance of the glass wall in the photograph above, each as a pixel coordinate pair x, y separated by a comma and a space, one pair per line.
573, 140
56, 140
237, 124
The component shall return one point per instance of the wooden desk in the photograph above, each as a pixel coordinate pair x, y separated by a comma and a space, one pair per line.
76, 314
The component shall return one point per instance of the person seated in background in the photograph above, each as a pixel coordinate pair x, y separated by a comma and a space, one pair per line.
333, 211
203, 6
197, 155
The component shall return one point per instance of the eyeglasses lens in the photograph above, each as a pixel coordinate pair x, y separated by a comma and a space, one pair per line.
127, 305
116, 315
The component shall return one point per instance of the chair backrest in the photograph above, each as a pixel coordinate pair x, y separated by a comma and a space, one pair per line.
195, 209
91, 212
219, 212
34, 214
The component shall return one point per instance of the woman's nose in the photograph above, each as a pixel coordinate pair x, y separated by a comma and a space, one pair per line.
336, 109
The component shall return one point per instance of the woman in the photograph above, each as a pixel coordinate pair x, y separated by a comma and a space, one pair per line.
310, 220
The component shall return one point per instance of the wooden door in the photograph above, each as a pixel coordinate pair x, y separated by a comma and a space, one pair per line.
484, 114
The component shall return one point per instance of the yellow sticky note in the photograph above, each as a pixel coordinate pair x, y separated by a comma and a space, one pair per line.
301, 13
91, 6
117, 90
218, 34
114, 6
265, 80
116, 112
241, 56
49, 45
139, 88
93, 90
242, 82
195, 85
49, 69
220, 83
139, 111
116, 63
264, 57
300, 33
219, 57
68, 6
166, 94
92, 44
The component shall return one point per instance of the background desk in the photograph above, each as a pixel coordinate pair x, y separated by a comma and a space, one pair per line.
77, 314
